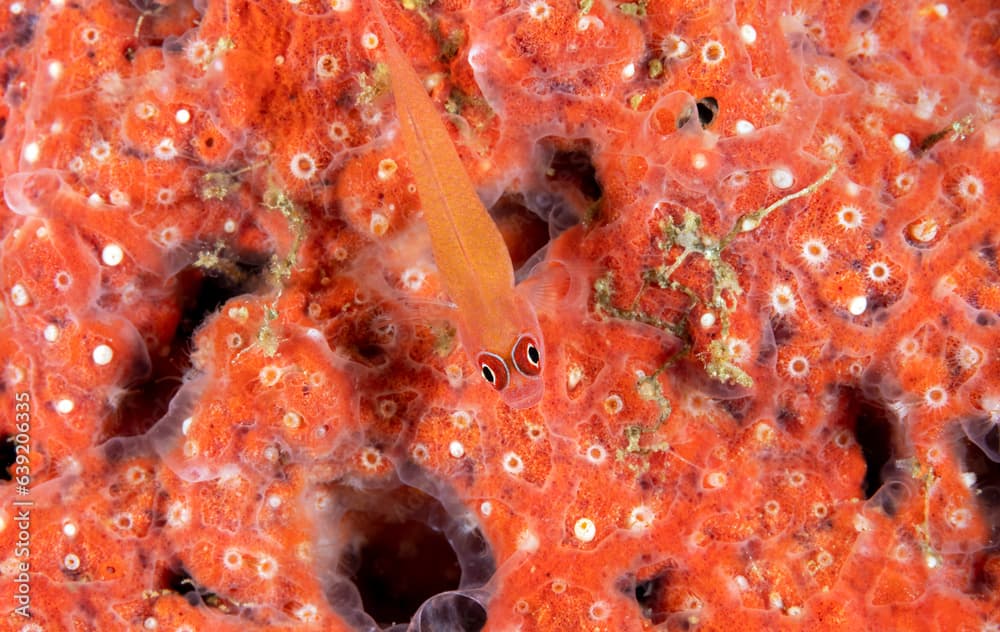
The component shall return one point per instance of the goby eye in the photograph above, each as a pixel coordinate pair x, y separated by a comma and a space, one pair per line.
526, 356
494, 370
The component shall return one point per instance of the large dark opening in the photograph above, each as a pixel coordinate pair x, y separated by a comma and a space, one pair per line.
563, 192
204, 291
873, 426
408, 558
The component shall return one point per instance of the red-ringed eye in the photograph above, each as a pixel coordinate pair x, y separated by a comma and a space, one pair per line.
526, 356
494, 370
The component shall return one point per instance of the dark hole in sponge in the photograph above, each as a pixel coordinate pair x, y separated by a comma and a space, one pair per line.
408, 554
873, 427
559, 196
8, 454
203, 292
572, 165
400, 566
708, 108
524, 232
650, 594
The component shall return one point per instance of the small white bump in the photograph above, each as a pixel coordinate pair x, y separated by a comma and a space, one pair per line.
19, 295
302, 166
327, 66
369, 41
716, 480
941, 10
232, 559
65, 406
112, 255
935, 397
527, 541
779, 99
878, 272
744, 127
857, 305
102, 355
337, 132
182, 116
118, 198
798, 367
628, 72
387, 168
51, 332
32, 152
379, 224
699, 161
69, 529
640, 518
486, 508
782, 178
850, 217
748, 34
713, 52
599, 610
371, 458
165, 149
539, 10
101, 151
585, 530
267, 567
512, 463
674, 47
832, 147
783, 299
815, 252
456, 449
969, 188
959, 518
596, 453
900, 142
71, 562
707, 320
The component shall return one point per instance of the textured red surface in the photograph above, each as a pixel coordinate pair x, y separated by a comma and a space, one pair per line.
715, 377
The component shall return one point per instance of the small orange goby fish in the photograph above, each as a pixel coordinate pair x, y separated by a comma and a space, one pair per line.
497, 326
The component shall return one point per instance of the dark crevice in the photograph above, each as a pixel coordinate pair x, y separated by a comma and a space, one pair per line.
176, 579
8, 454
179, 581
564, 192
873, 430
409, 559
399, 566
524, 232
204, 292
708, 109
650, 594
572, 165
